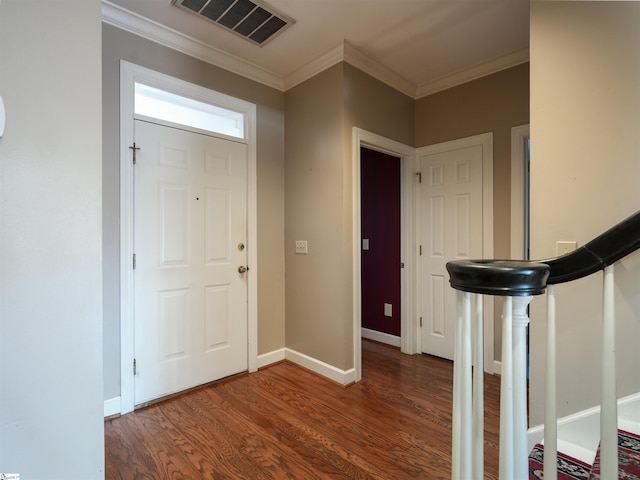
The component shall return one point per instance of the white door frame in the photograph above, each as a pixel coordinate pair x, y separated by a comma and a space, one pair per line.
518, 178
485, 141
408, 325
129, 74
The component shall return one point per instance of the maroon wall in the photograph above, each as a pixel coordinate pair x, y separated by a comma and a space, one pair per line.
380, 197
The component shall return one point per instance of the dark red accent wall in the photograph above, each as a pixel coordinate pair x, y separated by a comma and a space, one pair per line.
380, 197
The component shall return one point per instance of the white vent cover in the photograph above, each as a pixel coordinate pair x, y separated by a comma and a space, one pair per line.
252, 19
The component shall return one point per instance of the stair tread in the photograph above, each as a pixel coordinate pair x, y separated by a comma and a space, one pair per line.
581, 453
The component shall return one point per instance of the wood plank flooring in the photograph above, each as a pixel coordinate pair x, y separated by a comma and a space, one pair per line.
284, 422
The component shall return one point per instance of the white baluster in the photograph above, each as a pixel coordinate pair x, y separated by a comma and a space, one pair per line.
478, 391
550, 414
506, 393
456, 427
520, 450
461, 422
467, 423
609, 408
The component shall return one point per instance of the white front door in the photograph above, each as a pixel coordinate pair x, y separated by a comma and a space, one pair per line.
451, 227
190, 230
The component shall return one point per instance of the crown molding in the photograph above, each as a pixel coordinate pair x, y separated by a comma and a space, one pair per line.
131, 22
376, 70
483, 69
314, 67
143, 27
346, 52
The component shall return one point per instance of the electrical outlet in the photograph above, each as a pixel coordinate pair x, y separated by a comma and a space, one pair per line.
388, 310
301, 246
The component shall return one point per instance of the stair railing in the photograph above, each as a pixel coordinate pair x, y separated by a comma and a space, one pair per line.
518, 281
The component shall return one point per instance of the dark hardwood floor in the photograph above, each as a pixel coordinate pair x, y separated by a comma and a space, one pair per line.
284, 422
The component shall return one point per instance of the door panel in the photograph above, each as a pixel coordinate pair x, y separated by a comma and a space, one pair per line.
190, 299
451, 228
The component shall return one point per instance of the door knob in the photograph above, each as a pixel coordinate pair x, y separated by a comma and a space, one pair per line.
242, 269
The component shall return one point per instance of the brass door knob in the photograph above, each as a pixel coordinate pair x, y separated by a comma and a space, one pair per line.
242, 269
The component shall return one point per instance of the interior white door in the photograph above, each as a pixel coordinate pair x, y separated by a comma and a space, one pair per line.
451, 228
190, 230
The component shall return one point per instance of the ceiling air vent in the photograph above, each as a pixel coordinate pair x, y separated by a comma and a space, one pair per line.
251, 19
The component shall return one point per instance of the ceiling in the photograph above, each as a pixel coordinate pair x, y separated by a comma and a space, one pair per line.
417, 46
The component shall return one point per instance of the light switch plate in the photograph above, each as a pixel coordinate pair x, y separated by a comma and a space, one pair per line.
564, 247
388, 310
365, 244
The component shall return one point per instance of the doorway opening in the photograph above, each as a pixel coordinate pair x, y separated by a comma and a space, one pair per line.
381, 261
408, 324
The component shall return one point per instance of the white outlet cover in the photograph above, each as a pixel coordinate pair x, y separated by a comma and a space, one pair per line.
301, 246
388, 310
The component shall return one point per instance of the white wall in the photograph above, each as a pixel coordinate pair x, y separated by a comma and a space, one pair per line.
51, 402
585, 122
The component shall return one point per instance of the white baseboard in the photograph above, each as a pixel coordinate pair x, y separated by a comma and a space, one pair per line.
497, 367
343, 377
112, 407
380, 337
583, 428
271, 357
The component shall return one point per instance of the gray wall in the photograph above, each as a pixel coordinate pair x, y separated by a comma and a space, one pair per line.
118, 45
585, 119
51, 424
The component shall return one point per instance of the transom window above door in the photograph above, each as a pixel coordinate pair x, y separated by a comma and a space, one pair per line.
169, 107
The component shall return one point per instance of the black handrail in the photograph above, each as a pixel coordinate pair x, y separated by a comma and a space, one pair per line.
521, 277
604, 250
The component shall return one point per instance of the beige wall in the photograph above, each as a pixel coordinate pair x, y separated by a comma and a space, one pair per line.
316, 291
320, 115
494, 103
585, 119
375, 107
117, 45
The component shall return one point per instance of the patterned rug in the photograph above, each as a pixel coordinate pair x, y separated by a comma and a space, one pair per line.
569, 468
628, 457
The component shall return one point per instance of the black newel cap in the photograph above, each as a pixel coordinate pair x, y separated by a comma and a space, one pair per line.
514, 278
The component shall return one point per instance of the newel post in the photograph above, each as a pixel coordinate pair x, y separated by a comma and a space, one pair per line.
516, 281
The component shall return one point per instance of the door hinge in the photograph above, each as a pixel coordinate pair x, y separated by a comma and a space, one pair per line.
419, 175
135, 149
420, 250
420, 323
134, 261
135, 367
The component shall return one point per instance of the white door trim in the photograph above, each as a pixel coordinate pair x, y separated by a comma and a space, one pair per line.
518, 176
408, 323
484, 140
129, 74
